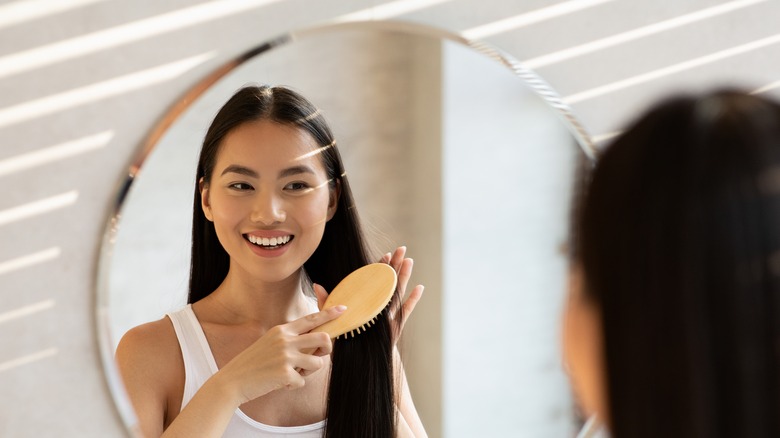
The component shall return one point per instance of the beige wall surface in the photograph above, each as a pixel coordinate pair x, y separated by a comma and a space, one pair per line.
83, 81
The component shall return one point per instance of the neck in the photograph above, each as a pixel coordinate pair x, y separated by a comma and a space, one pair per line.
243, 300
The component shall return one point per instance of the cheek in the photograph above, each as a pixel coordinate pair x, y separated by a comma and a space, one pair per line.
226, 212
582, 355
572, 353
569, 342
314, 213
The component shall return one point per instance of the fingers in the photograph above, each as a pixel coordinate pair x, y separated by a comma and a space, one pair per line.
403, 268
312, 347
401, 265
311, 321
397, 258
294, 379
411, 302
307, 364
321, 294
404, 273
314, 342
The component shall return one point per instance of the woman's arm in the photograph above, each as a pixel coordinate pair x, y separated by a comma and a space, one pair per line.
148, 358
208, 413
150, 362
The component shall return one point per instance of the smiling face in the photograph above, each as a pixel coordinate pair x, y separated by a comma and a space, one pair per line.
269, 199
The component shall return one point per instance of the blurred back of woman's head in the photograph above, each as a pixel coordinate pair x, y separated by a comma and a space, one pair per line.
678, 243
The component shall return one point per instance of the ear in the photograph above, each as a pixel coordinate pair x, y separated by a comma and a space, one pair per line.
205, 203
333, 202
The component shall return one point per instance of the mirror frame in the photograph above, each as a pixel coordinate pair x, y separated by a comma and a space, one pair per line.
102, 302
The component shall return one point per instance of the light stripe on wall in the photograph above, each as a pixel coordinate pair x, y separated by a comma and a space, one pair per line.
54, 153
28, 359
389, 10
29, 260
105, 39
100, 90
36, 208
20, 11
26, 311
672, 69
767, 87
641, 32
528, 18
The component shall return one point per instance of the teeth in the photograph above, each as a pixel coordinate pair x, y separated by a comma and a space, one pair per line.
265, 241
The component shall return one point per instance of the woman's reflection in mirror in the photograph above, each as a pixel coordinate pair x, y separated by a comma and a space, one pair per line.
274, 228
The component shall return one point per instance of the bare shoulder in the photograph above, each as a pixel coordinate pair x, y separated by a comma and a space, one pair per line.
151, 345
150, 362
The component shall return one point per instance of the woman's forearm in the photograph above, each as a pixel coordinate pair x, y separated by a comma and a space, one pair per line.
207, 414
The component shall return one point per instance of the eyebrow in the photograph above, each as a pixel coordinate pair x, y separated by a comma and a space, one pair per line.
296, 170
241, 170
290, 171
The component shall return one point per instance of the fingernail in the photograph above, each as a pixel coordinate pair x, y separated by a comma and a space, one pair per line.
340, 308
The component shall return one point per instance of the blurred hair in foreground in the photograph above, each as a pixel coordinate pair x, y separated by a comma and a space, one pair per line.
677, 238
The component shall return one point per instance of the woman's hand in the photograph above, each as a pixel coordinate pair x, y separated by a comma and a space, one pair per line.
403, 267
280, 358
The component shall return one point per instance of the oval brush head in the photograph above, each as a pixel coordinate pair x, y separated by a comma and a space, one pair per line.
365, 292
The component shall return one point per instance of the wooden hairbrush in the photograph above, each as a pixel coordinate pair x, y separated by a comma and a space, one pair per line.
365, 292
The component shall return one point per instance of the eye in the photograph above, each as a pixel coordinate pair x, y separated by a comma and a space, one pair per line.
296, 186
240, 186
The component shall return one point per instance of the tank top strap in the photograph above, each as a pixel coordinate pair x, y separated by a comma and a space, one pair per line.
199, 363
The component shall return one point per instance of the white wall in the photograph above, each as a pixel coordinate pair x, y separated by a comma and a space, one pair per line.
506, 205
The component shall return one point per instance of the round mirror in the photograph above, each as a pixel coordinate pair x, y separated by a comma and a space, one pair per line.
452, 149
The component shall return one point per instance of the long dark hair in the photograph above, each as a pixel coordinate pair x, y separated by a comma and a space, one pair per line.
361, 393
679, 240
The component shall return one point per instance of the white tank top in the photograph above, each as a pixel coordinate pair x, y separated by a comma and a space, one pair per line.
199, 365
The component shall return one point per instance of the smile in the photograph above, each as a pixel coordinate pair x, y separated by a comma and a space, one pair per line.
269, 243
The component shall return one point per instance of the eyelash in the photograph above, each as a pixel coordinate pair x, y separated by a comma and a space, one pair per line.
241, 186
293, 186
299, 185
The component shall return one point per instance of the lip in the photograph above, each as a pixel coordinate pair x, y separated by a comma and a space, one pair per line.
269, 253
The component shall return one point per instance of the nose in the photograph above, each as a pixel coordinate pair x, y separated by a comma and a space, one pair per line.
268, 209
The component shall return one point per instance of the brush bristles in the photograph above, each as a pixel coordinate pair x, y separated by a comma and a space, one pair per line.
362, 329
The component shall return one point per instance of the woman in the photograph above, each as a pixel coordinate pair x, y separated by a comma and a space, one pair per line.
273, 219
672, 325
